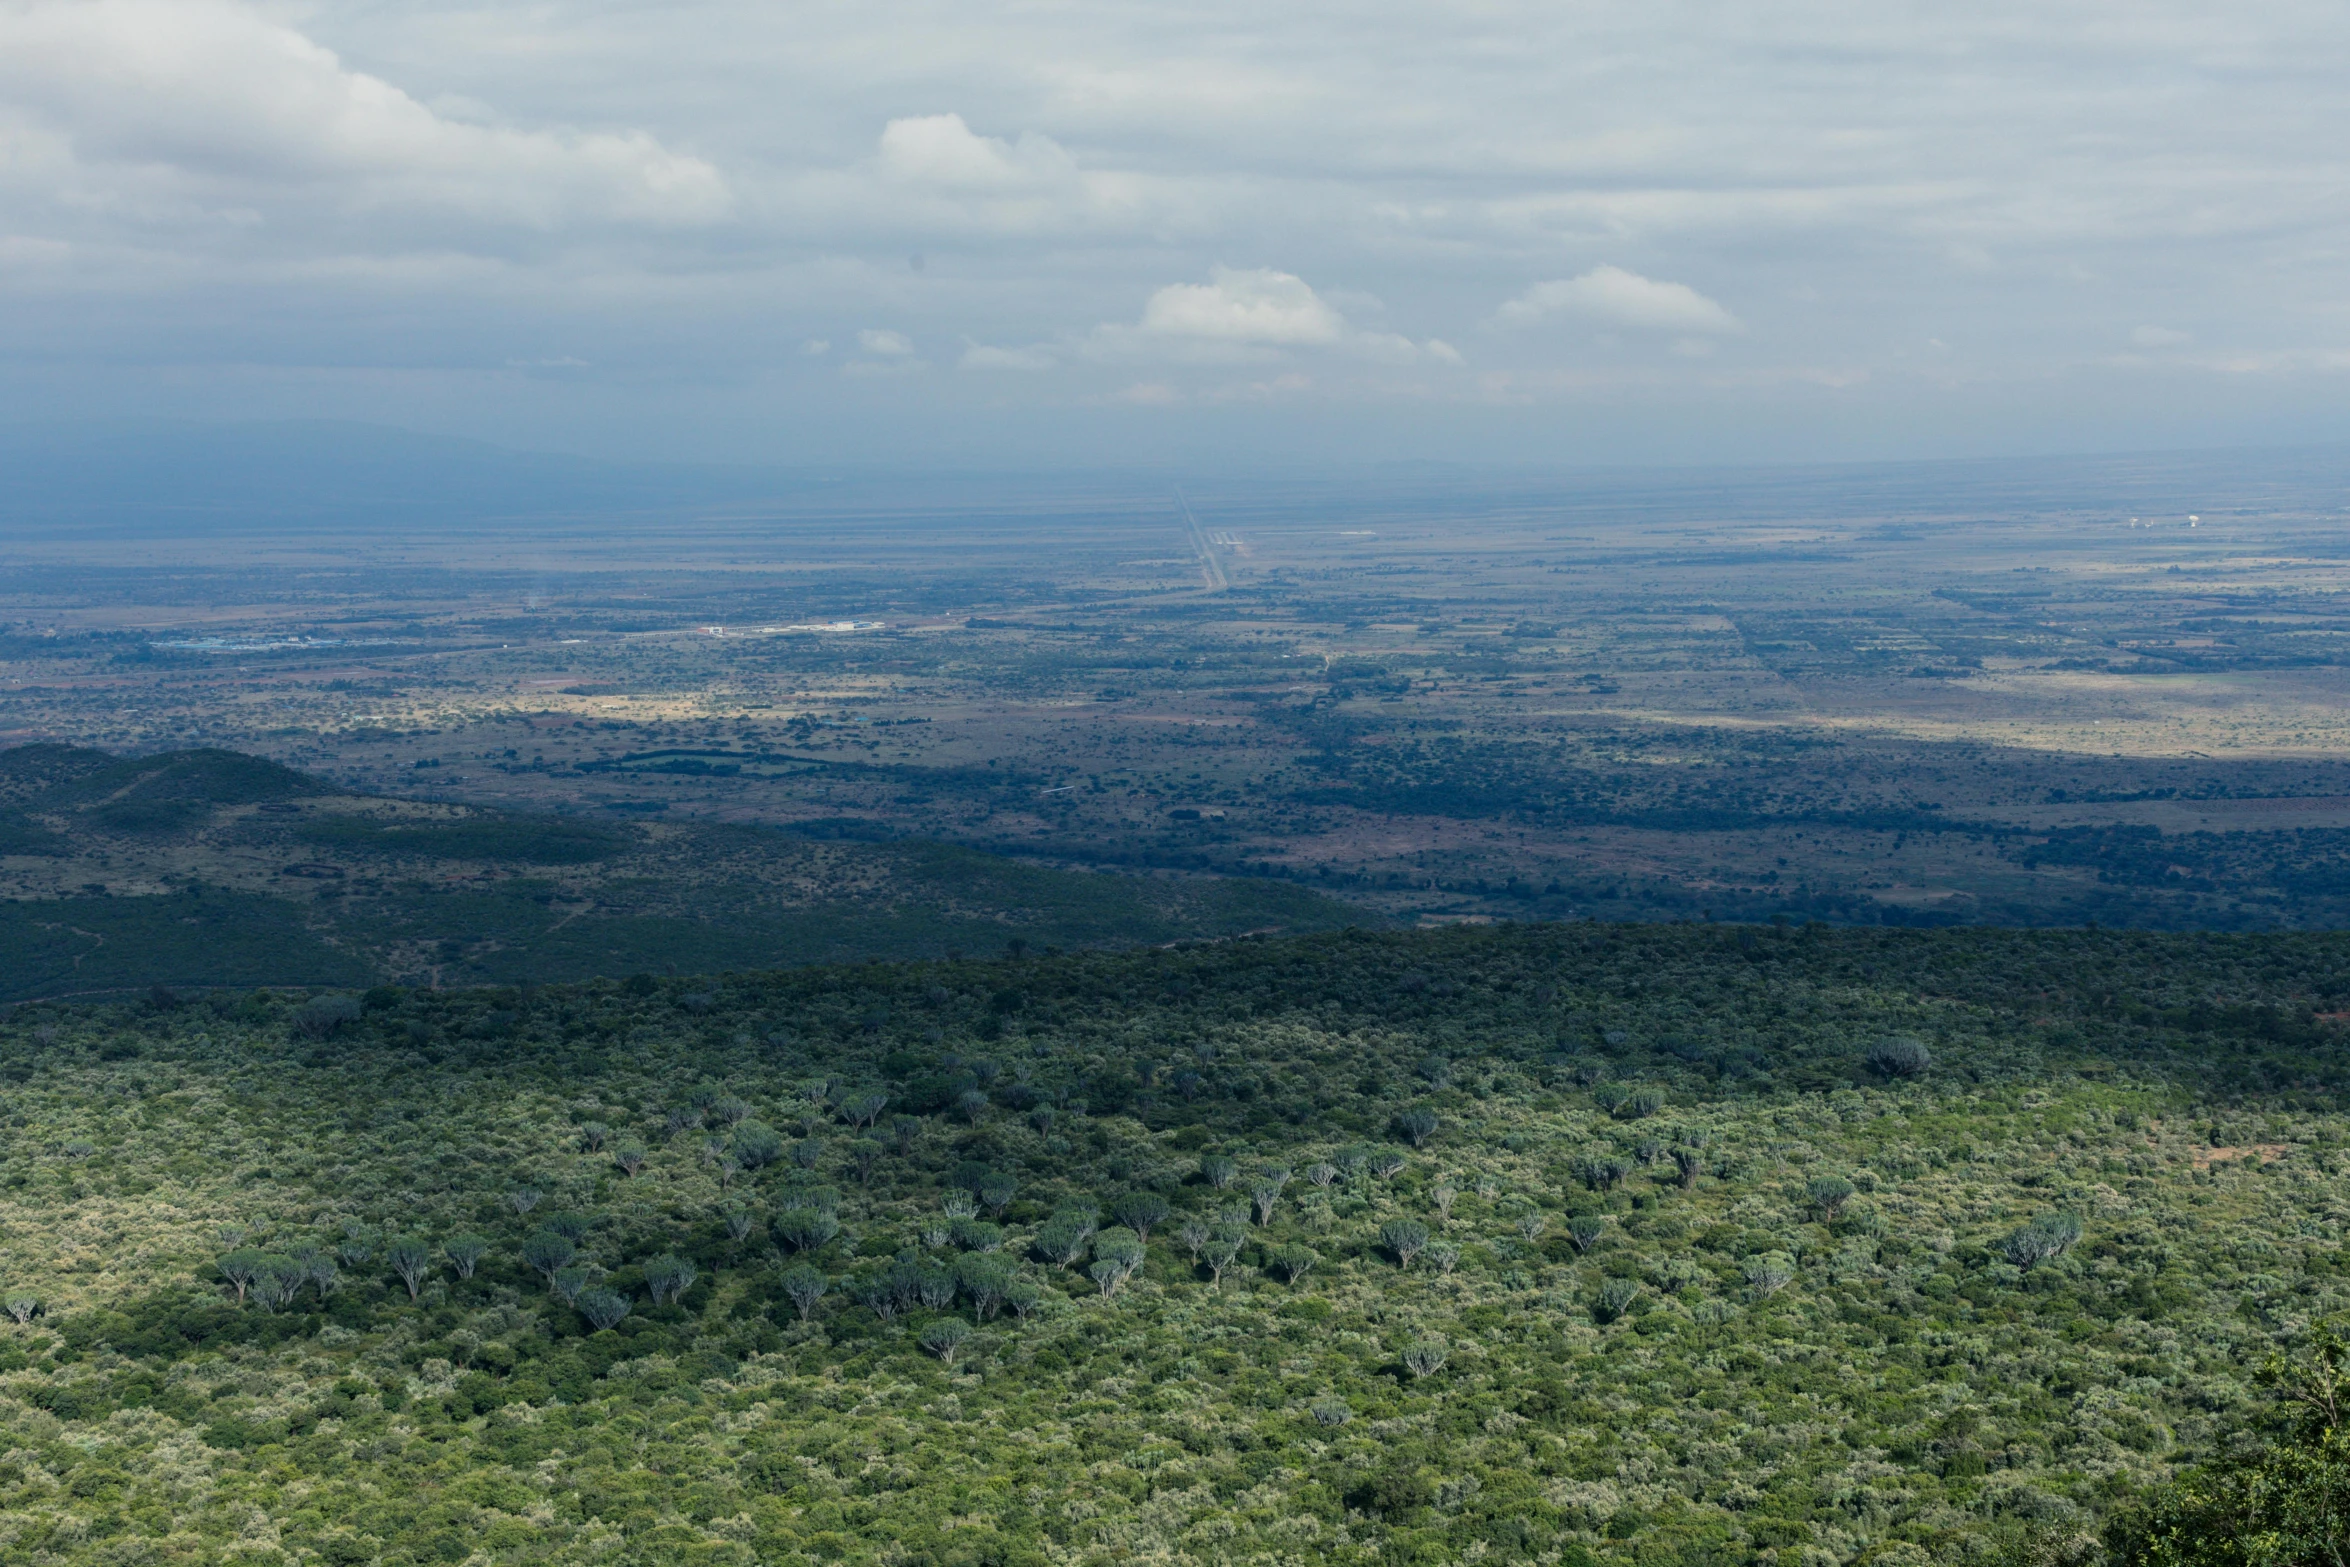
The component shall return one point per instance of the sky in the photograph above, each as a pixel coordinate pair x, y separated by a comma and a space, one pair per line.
1065, 235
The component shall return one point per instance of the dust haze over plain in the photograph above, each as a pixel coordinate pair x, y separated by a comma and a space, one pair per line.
1508, 234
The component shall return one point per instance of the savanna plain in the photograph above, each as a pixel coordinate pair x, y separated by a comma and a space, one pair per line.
1788, 1016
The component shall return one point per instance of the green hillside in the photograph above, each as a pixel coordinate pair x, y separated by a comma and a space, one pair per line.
1576, 1244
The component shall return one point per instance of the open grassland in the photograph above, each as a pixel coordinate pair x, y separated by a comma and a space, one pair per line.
1576, 1244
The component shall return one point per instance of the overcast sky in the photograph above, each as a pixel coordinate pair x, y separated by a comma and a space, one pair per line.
1090, 232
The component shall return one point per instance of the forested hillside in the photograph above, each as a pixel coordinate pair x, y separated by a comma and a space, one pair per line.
1575, 1243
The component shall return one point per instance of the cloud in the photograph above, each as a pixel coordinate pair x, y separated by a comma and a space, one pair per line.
877, 340
1250, 314
1258, 307
2159, 337
940, 150
1617, 298
154, 107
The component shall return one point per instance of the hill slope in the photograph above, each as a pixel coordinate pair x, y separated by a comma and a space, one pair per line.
1575, 1244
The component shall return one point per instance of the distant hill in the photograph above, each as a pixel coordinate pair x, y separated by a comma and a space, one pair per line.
209, 867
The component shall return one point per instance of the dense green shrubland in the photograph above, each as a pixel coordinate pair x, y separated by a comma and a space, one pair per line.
1574, 1243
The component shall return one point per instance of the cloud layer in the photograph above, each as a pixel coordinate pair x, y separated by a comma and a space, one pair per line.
1708, 234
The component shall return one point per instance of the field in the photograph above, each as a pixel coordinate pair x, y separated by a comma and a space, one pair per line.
1570, 1243
1926, 695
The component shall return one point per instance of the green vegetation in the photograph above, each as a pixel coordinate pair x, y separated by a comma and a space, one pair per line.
217, 869
1571, 1243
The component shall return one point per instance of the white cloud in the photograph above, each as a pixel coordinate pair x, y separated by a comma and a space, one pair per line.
160, 107
1251, 314
878, 340
2159, 337
1614, 297
1259, 307
939, 149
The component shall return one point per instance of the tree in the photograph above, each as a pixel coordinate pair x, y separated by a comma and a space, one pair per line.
1768, 1272
1122, 1252
1828, 1194
1425, 1357
1291, 1262
668, 1276
1222, 1250
935, 1287
20, 1305
465, 1253
323, 1015
1322, 1172
1193, 1233
2286, 1503
1404, 1239
603, 1308
522, 1199
1639, 1104
755, 1145
570, 1283
411, 1258
1898, 1055
803, 1286
629, 1157
996, 1193
945, 1338
1064, 1237
279, 1280
241, 1267
2047, 1237
1138, 1211
971, 1104
1417, 1125
1585, 1230
986, 1281
739, 1224
1443, 1256
804, 1229
1688, 1161
1613, 1298
546, 1252
1219, 1171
